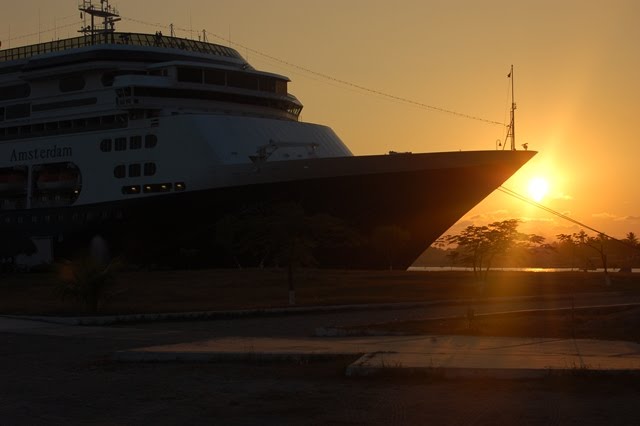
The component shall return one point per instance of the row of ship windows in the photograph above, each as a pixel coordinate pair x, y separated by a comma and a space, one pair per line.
237, 79
241, 80
64, 126
156, 187
74, 217
135, 142
135, 170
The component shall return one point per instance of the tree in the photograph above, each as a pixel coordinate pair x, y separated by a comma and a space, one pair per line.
282, 234
87, 281
481, 245
598, 244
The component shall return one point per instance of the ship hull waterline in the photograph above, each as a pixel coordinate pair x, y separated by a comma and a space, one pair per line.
421, 194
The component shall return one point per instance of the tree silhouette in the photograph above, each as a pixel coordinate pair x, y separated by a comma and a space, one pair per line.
481, 245
632, 239
598, 243
282, 235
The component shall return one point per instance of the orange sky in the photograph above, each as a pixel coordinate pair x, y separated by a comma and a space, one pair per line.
575, 66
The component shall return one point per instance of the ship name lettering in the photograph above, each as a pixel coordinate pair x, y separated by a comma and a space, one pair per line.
41, 153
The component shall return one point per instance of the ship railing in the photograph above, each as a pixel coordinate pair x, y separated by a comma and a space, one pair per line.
130, 39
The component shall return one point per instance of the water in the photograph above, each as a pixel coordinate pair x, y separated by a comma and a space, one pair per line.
467, 269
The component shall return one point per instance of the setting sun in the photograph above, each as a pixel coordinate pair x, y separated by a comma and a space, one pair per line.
538, 188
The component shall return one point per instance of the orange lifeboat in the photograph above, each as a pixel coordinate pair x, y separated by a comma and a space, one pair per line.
12, 181
57, 179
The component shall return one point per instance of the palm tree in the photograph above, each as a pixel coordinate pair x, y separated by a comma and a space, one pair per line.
631, 239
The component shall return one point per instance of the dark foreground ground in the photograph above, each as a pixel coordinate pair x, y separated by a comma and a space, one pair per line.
65, 375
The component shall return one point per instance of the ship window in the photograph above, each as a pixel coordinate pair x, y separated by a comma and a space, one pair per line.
107, 79
121, 144
136, 114
150, 141
267, 84
149, 169
15, 92
157, 187
120, 171
18, 111
281, 87
243, 81
180, 186
131, 189
135, 142
105, 145
189, 75
70, 84
134, 170
215, 77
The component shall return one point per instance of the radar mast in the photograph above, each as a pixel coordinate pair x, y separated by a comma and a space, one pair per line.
106, 12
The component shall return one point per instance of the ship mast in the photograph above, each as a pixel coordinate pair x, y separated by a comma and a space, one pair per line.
109, 17
511, 130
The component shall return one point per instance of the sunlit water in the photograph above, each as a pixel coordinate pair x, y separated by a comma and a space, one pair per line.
467, 269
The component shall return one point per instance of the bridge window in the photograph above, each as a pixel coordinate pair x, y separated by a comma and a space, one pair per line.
71, 84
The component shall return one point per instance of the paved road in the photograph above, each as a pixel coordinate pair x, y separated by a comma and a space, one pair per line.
53, 374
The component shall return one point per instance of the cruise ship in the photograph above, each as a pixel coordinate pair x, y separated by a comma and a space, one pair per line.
148, 140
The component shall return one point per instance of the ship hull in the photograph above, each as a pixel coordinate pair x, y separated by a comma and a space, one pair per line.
418, 195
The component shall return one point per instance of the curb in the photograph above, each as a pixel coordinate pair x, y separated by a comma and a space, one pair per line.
225, 314
258, 357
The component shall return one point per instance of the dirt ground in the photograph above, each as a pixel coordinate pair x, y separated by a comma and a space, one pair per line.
67, 375
617, 323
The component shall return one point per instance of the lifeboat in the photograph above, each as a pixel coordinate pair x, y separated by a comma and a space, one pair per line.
57, 180
12, 181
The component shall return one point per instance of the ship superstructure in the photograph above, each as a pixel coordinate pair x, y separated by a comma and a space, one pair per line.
131, 135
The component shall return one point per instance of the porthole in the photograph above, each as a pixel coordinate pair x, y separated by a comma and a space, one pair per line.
105, 145
135, 142
121, 144
120, 171
134, 170
149, 169
150, 141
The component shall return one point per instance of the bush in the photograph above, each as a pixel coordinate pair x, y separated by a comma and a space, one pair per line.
87, 281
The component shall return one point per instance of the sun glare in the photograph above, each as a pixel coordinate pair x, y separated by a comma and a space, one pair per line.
538, 188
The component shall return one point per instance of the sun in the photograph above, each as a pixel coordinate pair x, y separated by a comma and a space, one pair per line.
538, 188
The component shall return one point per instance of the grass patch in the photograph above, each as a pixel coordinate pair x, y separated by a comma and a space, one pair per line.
611, 323
183, 291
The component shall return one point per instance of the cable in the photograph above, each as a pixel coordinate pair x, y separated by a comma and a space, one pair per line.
560, 215
331, 78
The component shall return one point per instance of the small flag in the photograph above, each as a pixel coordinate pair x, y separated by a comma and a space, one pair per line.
509, 75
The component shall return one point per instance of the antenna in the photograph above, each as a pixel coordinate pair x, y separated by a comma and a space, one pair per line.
511, 130
108, 14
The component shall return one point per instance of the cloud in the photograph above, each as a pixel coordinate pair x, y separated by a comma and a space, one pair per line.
565, 197
630, 219
604, 215
533, 220
616, 218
